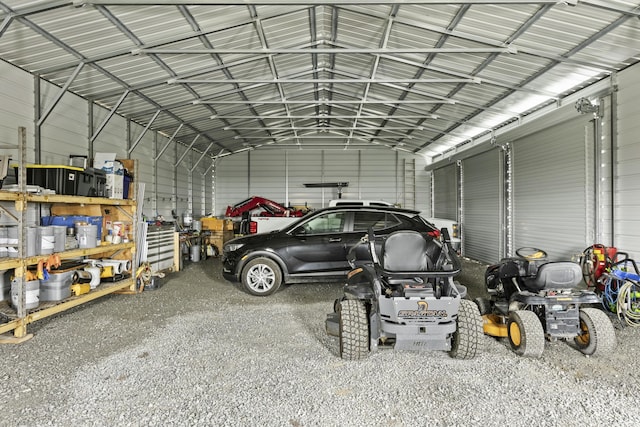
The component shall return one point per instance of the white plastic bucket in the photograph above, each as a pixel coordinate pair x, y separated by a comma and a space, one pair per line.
60, 237
12, 241
47, 239
32, 294
33, 245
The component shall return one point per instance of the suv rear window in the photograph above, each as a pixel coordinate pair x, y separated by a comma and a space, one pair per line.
378, 220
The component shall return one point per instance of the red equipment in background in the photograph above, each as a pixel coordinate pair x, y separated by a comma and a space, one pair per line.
270, 208
596, 261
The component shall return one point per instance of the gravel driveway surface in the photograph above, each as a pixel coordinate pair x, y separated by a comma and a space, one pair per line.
199, 351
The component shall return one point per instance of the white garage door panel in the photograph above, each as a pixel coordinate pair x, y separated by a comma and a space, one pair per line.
482, 181
445, 193
627, 173
550, 189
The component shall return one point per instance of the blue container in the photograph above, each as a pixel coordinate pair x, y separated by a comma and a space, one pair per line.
70, 221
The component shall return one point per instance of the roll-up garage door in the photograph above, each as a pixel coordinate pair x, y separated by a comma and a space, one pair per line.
627, 168
445, 192
482, 207
551, 185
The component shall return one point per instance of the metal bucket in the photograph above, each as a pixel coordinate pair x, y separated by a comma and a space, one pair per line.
86, 235
195, 253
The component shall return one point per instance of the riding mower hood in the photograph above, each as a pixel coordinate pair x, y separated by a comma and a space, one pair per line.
405, 298
531, 299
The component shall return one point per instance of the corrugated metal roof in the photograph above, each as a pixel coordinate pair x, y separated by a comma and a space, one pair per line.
423, 76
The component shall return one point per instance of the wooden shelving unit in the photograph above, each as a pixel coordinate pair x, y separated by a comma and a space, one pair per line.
18, 324
16, 319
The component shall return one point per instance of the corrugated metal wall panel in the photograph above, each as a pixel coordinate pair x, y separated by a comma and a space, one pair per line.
231, 184
445, 192
164, 172
144, 154
64, 132
342, 166
371, 175
627, 183
182, 192
550, 188
197, 204
114, 133
482, 182
267, 177
305, 166
16, 108
379, 176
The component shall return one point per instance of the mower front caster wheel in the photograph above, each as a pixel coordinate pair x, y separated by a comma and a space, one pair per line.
525, 333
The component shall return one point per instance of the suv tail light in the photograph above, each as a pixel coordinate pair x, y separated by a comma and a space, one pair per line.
435, 234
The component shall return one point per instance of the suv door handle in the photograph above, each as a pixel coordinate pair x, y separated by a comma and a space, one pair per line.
335, 239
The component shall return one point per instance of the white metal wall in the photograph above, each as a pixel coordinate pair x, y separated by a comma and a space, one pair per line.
627, 166
182, 192
16, 108
281, 175
482, 206
445, 192
163, 192
267, 176
67, 130
551, 188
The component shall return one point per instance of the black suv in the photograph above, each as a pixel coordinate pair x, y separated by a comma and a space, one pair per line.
312, 249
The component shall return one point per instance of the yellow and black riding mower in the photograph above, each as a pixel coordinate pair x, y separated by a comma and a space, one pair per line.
532, 299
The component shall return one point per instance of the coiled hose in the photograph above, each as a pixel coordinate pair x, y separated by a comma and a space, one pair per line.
621, 295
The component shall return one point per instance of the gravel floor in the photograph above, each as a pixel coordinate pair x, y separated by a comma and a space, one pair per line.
199, 351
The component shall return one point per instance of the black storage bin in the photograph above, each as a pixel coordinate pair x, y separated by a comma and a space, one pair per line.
61, 179
92, 183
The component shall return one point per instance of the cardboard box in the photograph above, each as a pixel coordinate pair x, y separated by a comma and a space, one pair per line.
114, 186
216, 224
108, 163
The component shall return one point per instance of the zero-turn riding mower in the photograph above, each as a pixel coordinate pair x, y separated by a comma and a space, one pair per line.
531, 299
406, 299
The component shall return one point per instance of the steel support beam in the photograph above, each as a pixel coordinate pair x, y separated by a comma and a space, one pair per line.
144, 131
186, 151
61, 93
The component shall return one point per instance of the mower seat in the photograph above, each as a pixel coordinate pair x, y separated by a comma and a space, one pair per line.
404, 251
555, 275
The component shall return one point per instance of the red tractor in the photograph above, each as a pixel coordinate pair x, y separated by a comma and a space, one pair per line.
269, 208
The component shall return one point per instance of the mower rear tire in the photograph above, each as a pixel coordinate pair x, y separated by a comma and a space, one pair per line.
354, 330
525, 333
597, 336
467, 340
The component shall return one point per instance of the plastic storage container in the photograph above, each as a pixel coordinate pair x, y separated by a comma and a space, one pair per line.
91, 183
57, 287
61, 179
